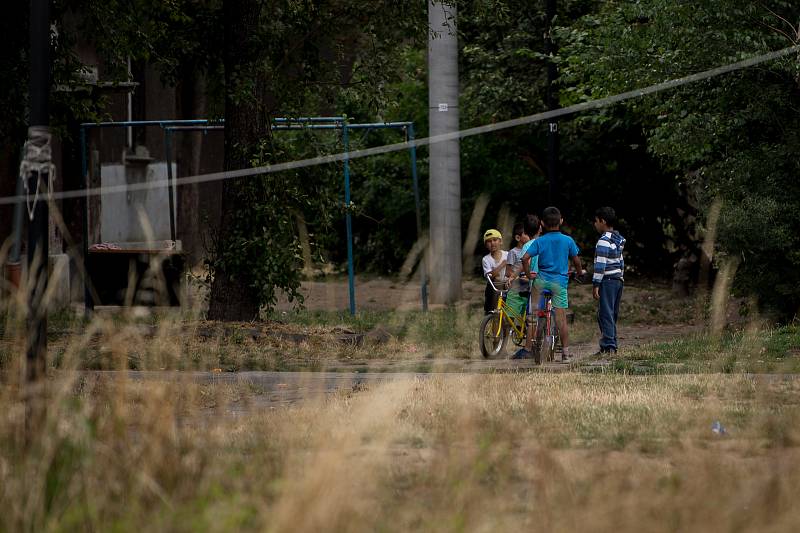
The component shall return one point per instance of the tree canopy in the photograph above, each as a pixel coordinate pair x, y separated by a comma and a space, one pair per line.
662, 161
730, 139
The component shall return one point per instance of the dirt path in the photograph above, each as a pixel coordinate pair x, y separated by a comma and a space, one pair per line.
649, 312
372, 294
630, 336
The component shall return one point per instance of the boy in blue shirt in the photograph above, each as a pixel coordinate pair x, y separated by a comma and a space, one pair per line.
555, 251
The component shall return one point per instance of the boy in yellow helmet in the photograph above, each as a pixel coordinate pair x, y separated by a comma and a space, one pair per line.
494, 266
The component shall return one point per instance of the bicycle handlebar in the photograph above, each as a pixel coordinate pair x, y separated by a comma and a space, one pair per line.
572, 274
580, 279
489, 279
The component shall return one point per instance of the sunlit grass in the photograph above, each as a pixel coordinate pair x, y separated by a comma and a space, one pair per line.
763, 349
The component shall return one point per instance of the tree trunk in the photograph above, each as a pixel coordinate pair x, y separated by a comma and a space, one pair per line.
232, 297
192, 106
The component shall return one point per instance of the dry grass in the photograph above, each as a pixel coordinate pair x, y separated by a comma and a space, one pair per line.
533, 451
456, 453
311, 341
305, 340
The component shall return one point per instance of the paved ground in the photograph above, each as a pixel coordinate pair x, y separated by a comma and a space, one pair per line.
270, 389
275, 389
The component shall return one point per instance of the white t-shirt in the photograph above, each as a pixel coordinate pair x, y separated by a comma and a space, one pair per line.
490, 264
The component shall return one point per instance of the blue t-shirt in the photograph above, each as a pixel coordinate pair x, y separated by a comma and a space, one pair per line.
534, 258
554, 250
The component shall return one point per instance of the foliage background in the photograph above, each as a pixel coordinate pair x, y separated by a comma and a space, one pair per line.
661, 161
728, 139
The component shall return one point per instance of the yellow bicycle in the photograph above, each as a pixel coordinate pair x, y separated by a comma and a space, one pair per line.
505, 323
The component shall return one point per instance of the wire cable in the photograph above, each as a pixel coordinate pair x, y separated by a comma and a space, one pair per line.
425, 141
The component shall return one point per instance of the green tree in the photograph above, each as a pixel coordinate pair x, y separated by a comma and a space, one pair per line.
503, 67
286, 58
728, 139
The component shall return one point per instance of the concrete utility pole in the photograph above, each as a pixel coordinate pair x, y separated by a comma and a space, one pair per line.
445, 163
36, 169
551, 100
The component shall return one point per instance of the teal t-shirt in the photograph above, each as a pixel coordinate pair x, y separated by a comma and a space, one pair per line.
534, 258
554, 250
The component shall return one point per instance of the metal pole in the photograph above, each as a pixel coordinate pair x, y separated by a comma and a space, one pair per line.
161, 123
88, 302
16, 245
348, 221
169, 126
310, 119
345, 127
417, 208
39, 138
170, 182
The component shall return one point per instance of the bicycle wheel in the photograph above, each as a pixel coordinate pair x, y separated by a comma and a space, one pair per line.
547, 348
538, 339
493, 336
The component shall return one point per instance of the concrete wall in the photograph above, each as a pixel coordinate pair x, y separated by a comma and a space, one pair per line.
122, 214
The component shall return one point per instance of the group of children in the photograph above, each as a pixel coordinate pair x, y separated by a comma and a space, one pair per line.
543, 253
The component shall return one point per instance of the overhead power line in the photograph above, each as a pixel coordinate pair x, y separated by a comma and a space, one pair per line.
425, 141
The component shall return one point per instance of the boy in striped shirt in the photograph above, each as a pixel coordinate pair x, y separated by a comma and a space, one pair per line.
607, 280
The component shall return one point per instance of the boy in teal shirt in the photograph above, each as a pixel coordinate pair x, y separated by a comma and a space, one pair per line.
516, 276
555, 251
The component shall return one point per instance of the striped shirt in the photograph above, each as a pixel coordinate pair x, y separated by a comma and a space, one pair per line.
608, 262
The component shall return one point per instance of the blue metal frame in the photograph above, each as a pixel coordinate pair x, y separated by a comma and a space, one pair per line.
281, 123
348, 220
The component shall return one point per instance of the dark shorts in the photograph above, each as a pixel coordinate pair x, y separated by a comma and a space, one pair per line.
490, 297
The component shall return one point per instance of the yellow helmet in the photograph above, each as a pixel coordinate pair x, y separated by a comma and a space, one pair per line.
491, 234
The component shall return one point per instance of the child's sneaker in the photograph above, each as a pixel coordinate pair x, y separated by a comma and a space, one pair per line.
566, 357
522, 353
